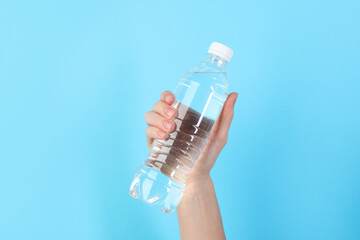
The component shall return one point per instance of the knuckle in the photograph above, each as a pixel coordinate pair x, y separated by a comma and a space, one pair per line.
223, 139
150, 131
147, 115
154, 106
161, 108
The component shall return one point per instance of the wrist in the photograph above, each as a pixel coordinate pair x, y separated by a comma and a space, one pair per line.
198, 179
197, 186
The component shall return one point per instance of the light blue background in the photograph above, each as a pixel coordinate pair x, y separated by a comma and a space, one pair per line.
76, 78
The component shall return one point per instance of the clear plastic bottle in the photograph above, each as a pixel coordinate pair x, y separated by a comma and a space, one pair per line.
199, 98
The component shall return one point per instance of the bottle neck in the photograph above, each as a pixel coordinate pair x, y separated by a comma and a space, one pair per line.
217, 61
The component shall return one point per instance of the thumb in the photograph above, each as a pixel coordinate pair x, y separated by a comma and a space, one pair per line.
222, 126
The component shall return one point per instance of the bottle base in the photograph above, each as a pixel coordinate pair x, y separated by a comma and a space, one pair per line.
156, 189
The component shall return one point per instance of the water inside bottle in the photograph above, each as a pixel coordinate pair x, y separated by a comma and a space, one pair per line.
161, 180
175, 156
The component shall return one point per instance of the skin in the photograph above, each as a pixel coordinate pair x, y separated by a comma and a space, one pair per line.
198, 212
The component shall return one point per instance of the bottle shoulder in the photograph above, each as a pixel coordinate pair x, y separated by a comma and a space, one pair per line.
215, 82
208, 67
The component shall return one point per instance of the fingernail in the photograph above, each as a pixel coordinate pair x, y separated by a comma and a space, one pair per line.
169, 112
168, 98
162, 134
169, 125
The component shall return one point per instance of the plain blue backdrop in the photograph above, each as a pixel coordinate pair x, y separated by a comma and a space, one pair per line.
76, 78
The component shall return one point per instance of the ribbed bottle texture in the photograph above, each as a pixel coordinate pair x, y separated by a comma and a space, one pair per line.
175, 156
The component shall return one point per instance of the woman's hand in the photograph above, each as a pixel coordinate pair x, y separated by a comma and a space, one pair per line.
198, 212
160, 123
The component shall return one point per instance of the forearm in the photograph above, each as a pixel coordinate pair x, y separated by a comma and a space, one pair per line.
198, 212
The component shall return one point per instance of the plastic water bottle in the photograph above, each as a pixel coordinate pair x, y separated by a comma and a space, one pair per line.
199, 98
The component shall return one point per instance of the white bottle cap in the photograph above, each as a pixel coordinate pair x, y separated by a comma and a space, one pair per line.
221, 50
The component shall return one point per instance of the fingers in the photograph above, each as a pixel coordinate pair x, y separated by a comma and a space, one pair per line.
167, 97
156, 120
159, 119
154, 132
164, 109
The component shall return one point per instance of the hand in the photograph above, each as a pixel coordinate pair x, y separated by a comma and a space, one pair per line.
198, 211
160, 124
